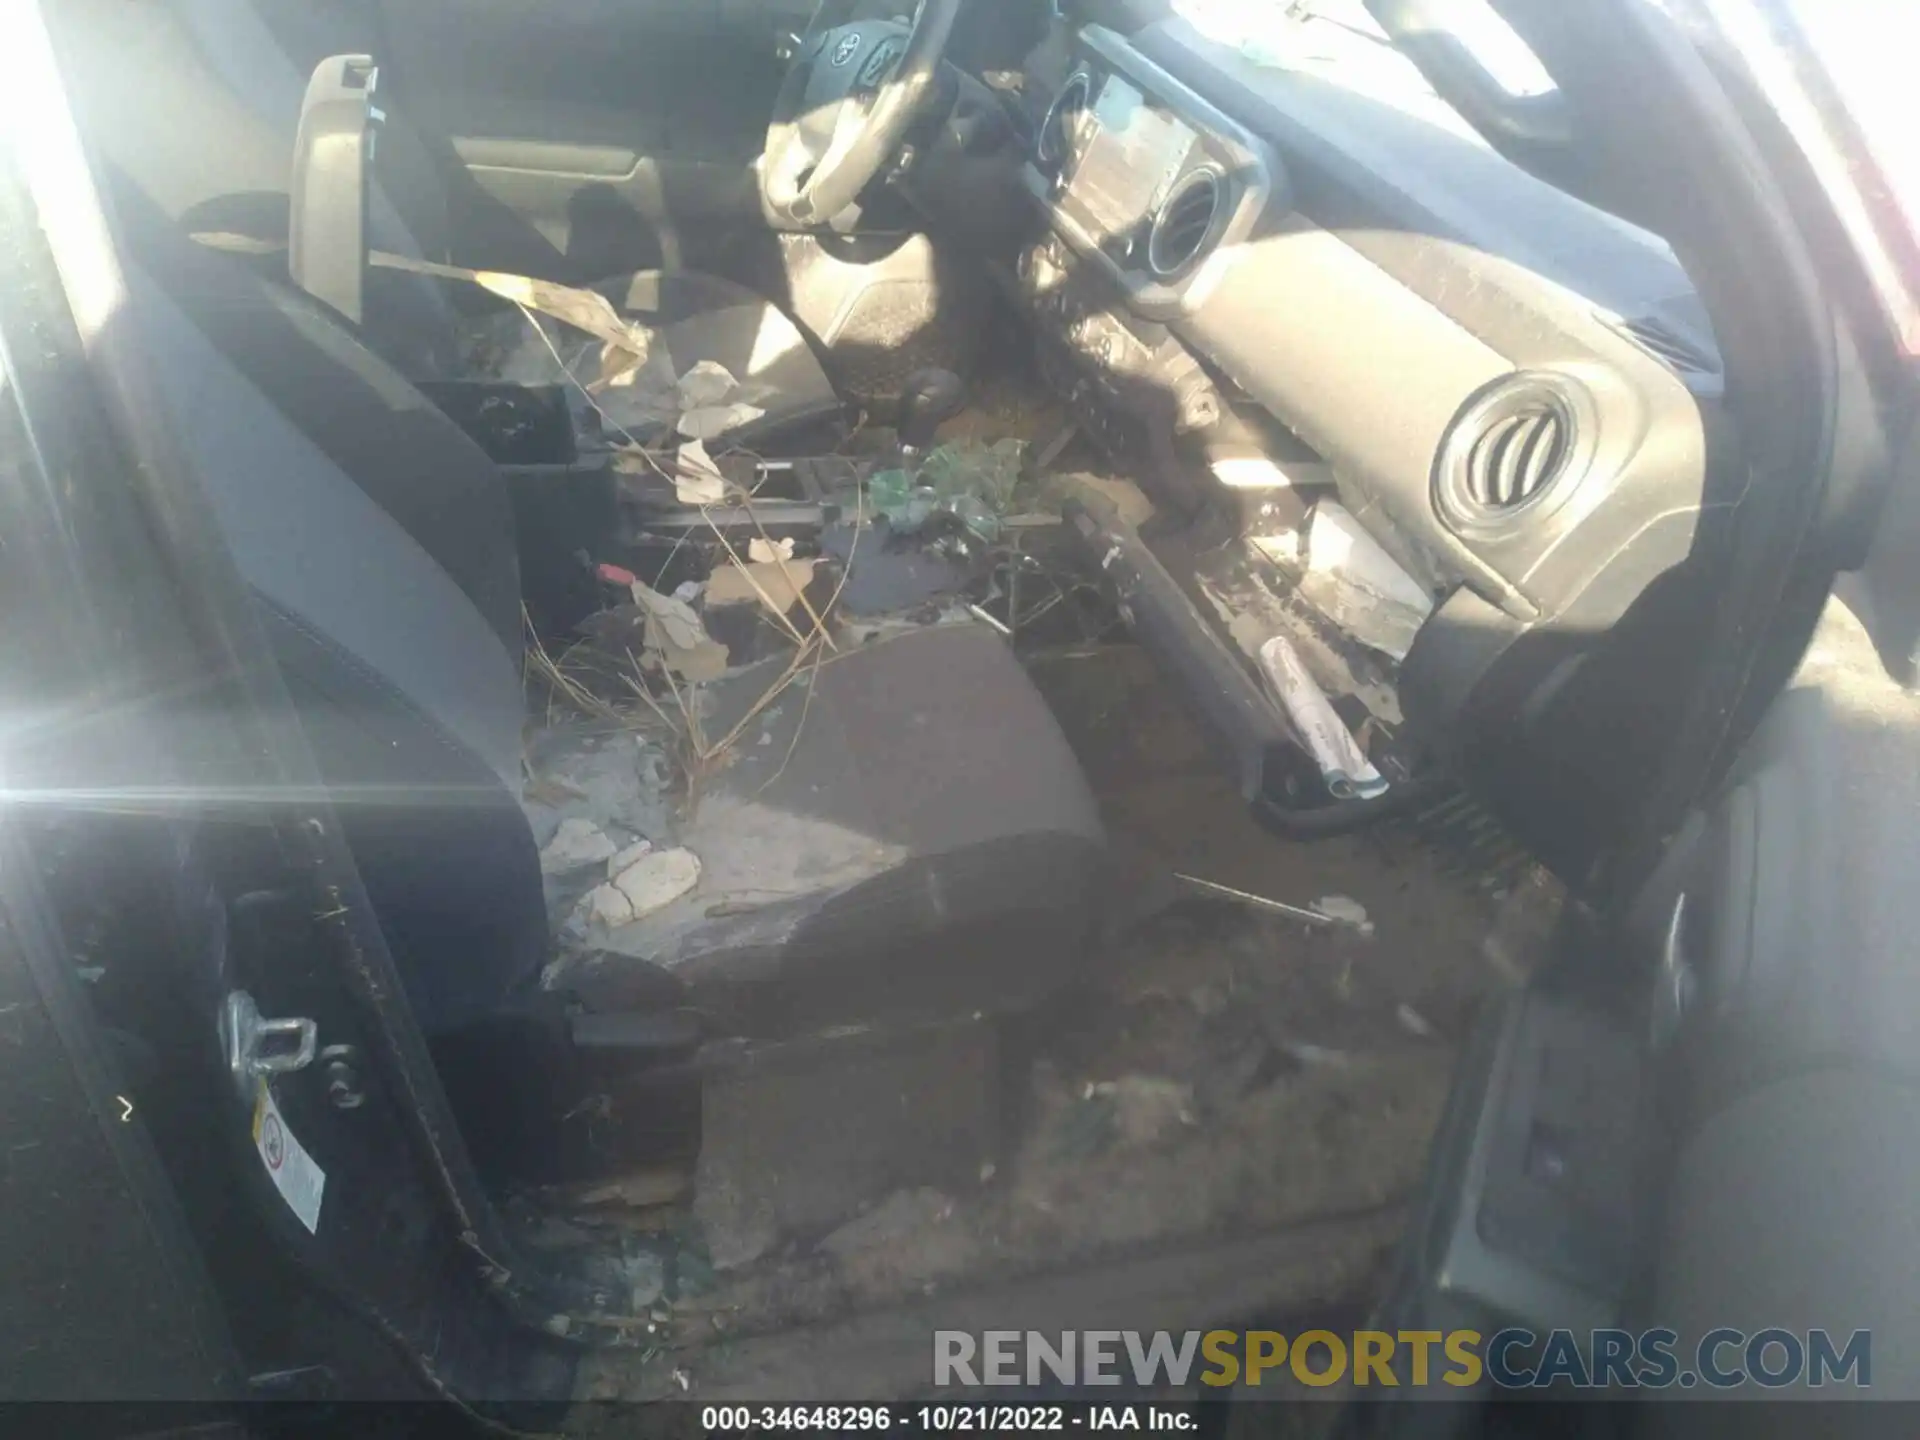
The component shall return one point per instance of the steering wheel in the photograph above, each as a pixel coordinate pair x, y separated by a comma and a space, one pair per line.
847, 103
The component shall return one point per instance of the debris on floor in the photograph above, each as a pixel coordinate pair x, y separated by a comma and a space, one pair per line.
628, 858
654, 880
676, 634
1343, 910
761, 551
577, 845
1144, 1109
893, 576
618, 367
901, 1216
969, 480
1349, 773
777, 606
642, 1190
1226, 1078
1331, 912
777, 584
1525, 923
697, 480
594, 778
1359, 587
713, 402
1230, 1071
707, 384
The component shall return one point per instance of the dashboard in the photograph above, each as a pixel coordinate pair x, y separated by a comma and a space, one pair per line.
1264, 279
1504, 424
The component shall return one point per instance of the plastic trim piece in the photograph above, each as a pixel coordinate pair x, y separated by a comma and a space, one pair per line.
1456, 487
1050, 158
1215, 183
332, 160
1254, 174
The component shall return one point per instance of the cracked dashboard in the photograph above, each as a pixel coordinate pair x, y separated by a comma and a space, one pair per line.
1507, 386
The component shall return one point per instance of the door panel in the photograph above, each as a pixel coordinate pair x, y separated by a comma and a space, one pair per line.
620, 131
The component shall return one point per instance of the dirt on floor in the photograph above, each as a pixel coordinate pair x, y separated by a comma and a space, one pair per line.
1223, 1078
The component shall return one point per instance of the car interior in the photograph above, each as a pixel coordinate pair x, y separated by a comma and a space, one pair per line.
507, 337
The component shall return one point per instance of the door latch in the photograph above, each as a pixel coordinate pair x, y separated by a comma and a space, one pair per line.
257, 1047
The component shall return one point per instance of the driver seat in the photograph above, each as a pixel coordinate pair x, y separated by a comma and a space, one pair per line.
195, 106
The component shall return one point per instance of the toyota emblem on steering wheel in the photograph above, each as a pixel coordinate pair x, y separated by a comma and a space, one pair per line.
844, 52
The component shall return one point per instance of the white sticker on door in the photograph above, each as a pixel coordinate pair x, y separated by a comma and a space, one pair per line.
299, 1180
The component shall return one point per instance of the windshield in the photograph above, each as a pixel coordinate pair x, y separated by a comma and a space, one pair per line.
1299, 34
1864, 51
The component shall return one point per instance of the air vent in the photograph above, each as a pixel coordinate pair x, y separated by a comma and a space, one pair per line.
1665, 344
1184, 227
1060, 134
1512, 448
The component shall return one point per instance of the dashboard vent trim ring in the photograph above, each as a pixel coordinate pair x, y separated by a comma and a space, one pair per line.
1053, 145
1515, 451
1186, 224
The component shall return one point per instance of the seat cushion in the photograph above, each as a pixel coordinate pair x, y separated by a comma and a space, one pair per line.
692, 318
916, 839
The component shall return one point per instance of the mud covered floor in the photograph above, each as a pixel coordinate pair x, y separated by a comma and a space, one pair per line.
1223, 1122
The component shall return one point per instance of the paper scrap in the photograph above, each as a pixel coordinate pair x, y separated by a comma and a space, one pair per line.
658, 879
706, 384
776, 584
674, 618
698, 480
627, 343
588, 310
764, 552
609, 906
710, 422
676, 634
652, 882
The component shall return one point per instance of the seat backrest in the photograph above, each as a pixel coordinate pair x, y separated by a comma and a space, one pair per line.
377, 542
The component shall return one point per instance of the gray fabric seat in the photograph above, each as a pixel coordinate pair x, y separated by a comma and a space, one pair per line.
930, 844
913, 839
